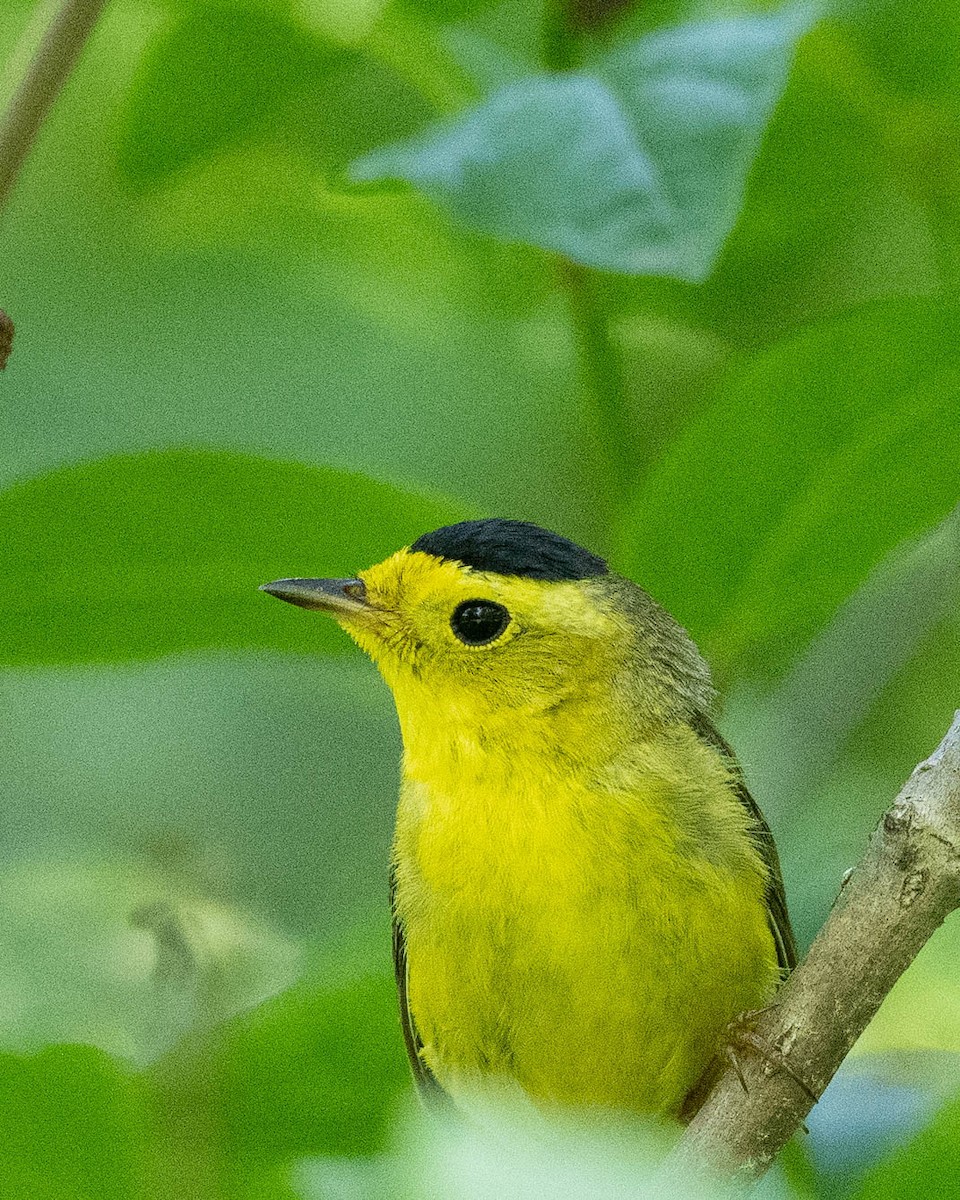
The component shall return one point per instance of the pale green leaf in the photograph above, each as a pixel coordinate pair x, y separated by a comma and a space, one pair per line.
637, 164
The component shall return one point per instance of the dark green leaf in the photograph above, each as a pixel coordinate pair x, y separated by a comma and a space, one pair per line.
141, 555
810, 464
357, 103
637, 165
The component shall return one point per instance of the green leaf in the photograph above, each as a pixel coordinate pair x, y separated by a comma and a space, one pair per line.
927, 1166
414, 48
141, 555
450, 10
294, 1076
636, 165
810, 464
903, 40
72, 1127
212, 78
346, 21
358, 103
296, 1071
223, 75
834, 216
794, 734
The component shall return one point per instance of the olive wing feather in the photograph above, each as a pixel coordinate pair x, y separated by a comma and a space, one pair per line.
776, 899
423, 1077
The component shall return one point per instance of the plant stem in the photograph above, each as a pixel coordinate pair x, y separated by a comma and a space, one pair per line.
603, 371
599, 357
55, 58
558, 36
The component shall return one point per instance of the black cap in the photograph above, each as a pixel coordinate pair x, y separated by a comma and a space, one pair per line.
512, 548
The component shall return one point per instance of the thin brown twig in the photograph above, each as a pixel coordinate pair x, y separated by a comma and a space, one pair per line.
6, 339
906, 885
55, 58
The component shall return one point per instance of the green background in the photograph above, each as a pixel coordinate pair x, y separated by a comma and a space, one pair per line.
273, 319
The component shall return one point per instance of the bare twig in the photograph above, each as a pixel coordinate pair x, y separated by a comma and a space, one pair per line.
906, 885
51, 66
6, 339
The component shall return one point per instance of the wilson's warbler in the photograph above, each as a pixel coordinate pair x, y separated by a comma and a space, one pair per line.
584, 893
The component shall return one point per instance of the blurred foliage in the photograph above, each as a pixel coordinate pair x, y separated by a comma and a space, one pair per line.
926, 1166
437, 1156
177, 957
637, 164
858, 403
74, 1125
124, 528
235, 361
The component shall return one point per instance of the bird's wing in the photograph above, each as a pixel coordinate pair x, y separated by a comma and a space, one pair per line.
776, 900
423, 1077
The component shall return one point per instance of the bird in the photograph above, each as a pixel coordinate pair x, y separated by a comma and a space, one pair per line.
584, 894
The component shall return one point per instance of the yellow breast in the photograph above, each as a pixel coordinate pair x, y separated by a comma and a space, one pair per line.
571, 931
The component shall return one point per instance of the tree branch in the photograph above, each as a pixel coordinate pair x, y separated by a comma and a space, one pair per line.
50, 68
906, 885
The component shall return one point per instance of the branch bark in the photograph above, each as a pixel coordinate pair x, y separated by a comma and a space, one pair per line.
51, 66
906, 885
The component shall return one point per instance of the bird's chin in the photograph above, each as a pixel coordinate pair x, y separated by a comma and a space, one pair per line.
369, 631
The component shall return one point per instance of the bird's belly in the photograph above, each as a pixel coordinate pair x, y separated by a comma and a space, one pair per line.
542, 957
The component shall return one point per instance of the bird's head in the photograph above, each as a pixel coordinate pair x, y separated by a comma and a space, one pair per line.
502, 619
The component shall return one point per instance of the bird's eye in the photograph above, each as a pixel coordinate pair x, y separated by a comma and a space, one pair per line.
477, 622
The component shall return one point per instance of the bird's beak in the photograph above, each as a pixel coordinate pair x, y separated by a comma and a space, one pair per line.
339, 597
